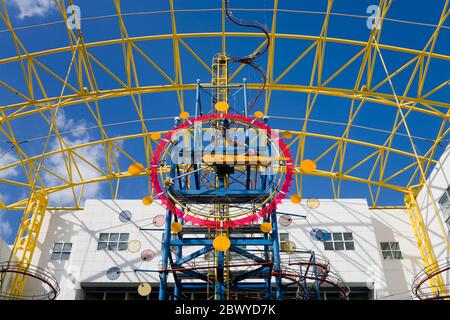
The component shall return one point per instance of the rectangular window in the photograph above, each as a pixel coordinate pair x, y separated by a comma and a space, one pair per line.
391, 251
339, 241
113, 241
444, 202
61, 251
285, 244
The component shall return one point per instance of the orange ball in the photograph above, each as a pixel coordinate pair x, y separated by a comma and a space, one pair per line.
295, 198
287, 134
155, 136
184, 115
176, 227
265, 227
221, 243
308, 166
135, 169
258, 114
148, 200
221, 106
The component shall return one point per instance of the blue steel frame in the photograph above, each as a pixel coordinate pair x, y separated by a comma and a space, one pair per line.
268, 243
271, 262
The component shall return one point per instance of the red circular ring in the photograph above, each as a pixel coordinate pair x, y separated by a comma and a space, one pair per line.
204, 222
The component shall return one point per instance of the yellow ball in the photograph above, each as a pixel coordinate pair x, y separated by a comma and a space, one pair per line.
313, 203
155, 136
144, 289
221, 106
176, 227
295, 198
287, 134
308, 166
258, 114
184, 115
148, 200
135, 169
221, 243
266, 227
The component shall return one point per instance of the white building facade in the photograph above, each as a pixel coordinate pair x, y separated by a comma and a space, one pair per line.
375, 252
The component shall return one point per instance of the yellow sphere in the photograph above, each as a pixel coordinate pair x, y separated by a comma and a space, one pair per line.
155, 136
184, 115
135, 169
176, 227
287, 134
221, 106
221, 243
295, 198
266, 227
167, 182
308, 166
144, 289
148, 200
313, 203
258, 114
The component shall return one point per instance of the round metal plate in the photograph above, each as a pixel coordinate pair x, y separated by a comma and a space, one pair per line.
285, 220
159, 220
134, 246
147, 255
144, 289
125, 216
313, 203
113, 273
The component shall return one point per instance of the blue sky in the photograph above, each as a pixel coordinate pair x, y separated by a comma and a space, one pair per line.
105, 26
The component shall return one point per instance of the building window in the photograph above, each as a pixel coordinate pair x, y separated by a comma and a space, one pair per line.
340, 241
61, 251
285, 244
391, 251
444, 202
113, 241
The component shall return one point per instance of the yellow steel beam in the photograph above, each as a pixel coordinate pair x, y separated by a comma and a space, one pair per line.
368, 96
425, 246
26, 239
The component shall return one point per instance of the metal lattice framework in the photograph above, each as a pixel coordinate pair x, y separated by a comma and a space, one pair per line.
89, 83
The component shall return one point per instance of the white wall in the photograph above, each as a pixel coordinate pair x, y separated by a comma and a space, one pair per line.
360, 267
428, 200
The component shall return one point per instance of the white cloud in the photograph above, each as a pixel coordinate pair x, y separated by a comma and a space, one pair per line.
94, 154
5, 227
30, 8
8, 156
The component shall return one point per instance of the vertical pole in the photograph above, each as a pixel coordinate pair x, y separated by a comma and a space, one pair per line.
220, 287
198, 105
268, 279
177, 290
165, 257
247, 138
316, 281
276, 257
245, 97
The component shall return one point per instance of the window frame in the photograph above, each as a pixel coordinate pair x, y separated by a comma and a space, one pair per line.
389, 254
113, 244
57, 254
445, 207
340, 241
